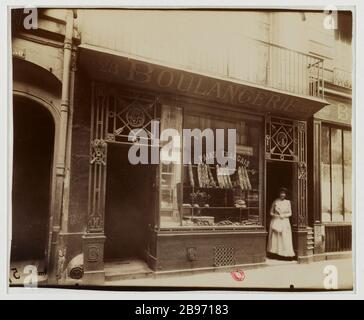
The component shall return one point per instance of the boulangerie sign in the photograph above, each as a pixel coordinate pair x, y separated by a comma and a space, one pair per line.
102, 64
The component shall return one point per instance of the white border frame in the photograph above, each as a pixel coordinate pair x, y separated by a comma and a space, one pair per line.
5, 157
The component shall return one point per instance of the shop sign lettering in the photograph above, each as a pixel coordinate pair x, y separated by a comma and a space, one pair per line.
336, 111
182, 82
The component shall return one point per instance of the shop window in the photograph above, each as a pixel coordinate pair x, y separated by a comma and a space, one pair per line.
170, 173
335, 174
206, 194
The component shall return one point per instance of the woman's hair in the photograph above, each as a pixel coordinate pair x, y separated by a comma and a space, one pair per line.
283, 189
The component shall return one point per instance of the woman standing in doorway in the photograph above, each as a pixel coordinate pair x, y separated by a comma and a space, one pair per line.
280, 233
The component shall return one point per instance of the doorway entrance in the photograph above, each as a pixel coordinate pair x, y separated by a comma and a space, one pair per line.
279, 174
32, 175
129, 205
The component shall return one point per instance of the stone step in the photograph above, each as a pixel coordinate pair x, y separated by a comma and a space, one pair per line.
126, 269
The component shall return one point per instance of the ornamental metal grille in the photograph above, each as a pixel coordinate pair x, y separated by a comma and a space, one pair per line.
281, 139
224, 256
114, 113
130, 112
126, 111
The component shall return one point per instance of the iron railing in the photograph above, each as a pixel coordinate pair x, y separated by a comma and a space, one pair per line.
337, 238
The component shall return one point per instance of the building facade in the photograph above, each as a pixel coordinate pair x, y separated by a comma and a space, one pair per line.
83, 79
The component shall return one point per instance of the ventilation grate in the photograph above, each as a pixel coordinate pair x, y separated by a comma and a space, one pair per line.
224, 256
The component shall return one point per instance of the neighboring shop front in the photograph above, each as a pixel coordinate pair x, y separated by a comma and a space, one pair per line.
331, 180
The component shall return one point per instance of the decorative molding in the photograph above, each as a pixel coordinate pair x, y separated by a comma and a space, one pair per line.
192, 253
95, 222
93, 253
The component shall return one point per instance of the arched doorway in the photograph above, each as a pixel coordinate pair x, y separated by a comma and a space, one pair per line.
34, 132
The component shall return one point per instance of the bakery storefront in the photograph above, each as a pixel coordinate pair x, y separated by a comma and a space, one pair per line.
185, 215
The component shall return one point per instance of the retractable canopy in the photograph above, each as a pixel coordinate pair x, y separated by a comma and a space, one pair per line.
113, 66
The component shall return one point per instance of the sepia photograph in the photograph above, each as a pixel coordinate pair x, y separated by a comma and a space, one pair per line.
186, 148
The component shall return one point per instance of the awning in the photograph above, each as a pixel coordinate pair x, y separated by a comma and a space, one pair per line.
116, 67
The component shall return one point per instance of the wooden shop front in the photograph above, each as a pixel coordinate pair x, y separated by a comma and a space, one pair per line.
181, 215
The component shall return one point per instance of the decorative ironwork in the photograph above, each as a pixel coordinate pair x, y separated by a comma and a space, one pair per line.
302, 170
95, 222
281, 140
110, 137
338, 238
98, 160
286, 140
224, 255
114, 113
98, 153
302, 175
135, 117
129, 111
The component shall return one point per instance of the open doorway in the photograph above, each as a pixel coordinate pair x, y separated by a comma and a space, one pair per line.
32, 175
129, 205
279, 174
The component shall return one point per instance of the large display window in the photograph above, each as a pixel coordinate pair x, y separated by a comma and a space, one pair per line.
336, 203
204, 194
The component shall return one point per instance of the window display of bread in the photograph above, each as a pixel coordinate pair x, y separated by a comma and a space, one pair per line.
211, 177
